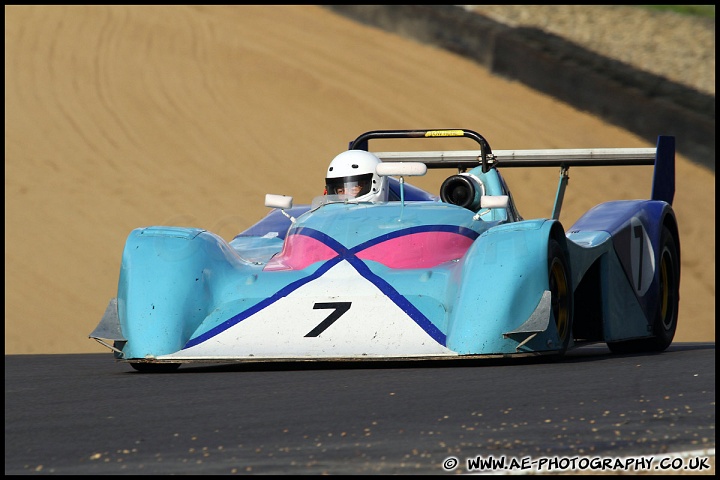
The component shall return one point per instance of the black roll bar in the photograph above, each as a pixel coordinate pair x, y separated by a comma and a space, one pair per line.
361, 142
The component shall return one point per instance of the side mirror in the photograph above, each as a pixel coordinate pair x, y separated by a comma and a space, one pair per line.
494, 201
402, 169
282, 202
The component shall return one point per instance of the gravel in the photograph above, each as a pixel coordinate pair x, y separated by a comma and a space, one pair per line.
679, 47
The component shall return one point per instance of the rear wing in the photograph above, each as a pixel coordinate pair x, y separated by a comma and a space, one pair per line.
662, 157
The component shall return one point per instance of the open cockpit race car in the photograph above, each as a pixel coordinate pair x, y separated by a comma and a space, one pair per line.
410, 276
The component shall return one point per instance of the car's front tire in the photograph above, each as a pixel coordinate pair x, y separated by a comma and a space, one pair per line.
561, 294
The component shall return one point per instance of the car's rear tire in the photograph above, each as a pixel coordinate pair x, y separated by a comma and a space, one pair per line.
665, 323
561, 294
145, 367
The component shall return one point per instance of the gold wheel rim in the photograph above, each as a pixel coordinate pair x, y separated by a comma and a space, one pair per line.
560, 300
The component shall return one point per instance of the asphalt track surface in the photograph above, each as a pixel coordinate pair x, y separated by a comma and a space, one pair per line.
87, 414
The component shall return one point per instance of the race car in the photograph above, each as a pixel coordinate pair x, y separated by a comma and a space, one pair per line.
410, 274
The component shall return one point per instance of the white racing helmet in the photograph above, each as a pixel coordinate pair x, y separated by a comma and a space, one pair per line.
353, 172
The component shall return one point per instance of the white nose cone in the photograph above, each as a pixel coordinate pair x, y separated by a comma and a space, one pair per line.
341, 314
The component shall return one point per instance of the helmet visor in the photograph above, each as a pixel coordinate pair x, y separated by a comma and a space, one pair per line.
355, 185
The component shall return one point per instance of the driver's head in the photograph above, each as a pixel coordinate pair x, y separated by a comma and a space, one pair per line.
353, 173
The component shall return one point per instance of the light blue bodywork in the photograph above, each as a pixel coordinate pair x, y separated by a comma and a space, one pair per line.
181, 287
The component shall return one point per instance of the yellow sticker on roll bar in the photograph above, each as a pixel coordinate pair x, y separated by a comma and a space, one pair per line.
444, 133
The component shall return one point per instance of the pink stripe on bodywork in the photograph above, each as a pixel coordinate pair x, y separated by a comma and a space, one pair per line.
418, 250
415, 250
298, 252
